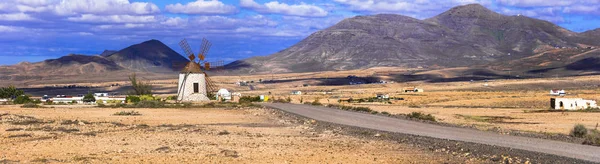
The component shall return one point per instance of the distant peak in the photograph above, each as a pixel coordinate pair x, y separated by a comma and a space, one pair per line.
470, 10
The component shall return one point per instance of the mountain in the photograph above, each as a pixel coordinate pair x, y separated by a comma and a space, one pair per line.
149, 56
462, 36
106, 53
67, 65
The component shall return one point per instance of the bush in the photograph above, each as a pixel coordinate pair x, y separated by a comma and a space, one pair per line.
127, 113
249, 99
10, 92
88, 98
147, 98
579, 131
592, 138
132, 99
386, 113
140, 88
288, 99
30, 105
172, 98
150, 104
22, 99
316, 103
421, 116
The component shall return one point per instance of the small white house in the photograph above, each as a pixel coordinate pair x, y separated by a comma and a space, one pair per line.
572, 103
224, 94
383, 96
556, 92
100, 94
296, 92
3, 100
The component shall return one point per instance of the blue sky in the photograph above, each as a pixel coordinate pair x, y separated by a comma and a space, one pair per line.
34, 30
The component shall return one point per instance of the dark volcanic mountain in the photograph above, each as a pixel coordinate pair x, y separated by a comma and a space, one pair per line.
67, 65
149, 56
462, 36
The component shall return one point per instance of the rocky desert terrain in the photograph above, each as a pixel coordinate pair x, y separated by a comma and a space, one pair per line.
78, 134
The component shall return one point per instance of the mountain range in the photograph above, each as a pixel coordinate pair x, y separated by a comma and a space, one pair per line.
464, 36
150, 56
469, 36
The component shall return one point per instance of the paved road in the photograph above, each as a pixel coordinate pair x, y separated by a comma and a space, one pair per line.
584, 152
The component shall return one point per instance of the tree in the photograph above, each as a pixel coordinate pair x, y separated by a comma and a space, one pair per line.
10, 92
22, 99
140, 88
89, 98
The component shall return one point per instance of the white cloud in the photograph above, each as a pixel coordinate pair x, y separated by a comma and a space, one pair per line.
91, 18
536, 3
583, 9
104, 7
201, 7
275, 7
9, 29
418, 8
16, 17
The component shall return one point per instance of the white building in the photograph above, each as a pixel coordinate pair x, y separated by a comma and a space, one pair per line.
556, 92
223, 94
192, 84
101, 94
296, 92
79, 100
572, 103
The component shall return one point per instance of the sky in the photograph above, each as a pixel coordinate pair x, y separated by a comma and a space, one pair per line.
35, 30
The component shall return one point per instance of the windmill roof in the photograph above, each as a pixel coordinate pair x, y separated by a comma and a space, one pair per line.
192, 67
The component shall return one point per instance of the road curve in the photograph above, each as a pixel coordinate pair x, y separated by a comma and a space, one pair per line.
578, 151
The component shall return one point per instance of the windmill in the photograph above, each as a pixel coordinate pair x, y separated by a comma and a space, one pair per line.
194, 84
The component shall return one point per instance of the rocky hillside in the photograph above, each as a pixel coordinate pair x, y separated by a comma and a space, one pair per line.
462, 36
151, 57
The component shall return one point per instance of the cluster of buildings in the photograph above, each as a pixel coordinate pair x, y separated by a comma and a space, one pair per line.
100, 98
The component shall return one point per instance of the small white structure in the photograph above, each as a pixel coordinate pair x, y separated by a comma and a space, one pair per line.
79, 100
383, 96
556, 92
3, 100
572, 103
100, 94
192, 84
223, 94
296, 92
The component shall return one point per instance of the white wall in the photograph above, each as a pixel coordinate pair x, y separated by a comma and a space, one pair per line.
185, 87
574, 103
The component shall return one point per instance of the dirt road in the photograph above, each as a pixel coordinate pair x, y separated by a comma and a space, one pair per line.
584, 152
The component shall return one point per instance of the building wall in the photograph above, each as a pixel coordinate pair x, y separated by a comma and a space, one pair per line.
573, 103
185, 87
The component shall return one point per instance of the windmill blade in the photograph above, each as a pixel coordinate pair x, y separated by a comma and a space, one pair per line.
207, 66
211, 88
186, 48
204, 48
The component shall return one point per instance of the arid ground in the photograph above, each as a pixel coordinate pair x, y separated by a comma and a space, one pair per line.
205, 135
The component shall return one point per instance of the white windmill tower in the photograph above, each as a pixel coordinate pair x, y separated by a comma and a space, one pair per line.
194, 84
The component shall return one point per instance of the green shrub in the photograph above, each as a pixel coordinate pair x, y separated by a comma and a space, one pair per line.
172, 97
73, 102
249, 99
374, 112
579, 131
132, 99
301, 100
22, 99
88, 98
592, 138
288, 99
421, 116
147, 98
128, 113
30, 105
150, 104
10, 92
386, 113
